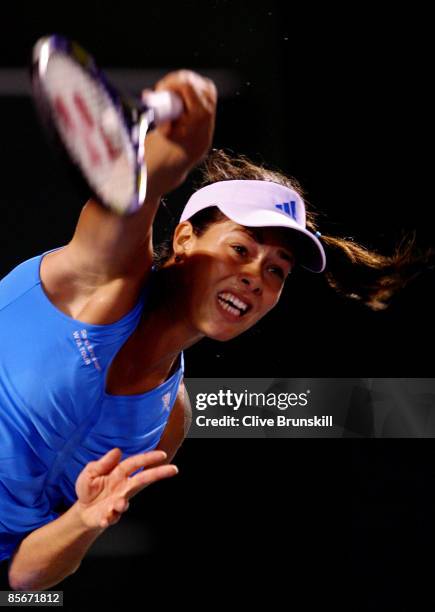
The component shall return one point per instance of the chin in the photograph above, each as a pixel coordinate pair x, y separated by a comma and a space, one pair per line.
221, 334
223, 328
222, 337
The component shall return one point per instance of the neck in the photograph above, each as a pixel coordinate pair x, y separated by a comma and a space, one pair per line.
165, 329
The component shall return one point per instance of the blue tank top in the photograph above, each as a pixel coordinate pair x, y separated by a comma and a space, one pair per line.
55, 415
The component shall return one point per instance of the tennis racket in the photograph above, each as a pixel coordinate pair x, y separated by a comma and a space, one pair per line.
101, 131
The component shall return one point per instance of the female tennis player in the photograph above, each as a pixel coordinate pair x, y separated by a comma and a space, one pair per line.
92, 402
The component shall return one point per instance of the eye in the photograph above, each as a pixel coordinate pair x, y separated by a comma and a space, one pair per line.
278, 271
240, 249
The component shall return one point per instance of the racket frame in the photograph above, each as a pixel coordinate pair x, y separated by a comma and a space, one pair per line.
136, 117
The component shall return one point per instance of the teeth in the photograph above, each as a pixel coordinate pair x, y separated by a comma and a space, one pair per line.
230, 309
235, 300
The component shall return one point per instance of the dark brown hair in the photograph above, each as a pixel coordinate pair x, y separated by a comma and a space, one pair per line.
352, 269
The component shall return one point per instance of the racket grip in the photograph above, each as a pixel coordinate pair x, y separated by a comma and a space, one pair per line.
166, 105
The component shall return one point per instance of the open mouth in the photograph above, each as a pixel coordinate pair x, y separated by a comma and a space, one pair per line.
232, 305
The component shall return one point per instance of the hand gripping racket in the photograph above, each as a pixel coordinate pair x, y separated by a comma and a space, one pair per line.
101, 130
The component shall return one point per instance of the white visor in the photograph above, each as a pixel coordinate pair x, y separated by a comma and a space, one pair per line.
262, 204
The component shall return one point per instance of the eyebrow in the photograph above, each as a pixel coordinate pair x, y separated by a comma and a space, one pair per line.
257, 235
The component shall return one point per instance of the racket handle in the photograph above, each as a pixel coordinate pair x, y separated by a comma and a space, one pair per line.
166, 105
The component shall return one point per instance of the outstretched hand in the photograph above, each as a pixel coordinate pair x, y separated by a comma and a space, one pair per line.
175, 147
104, 487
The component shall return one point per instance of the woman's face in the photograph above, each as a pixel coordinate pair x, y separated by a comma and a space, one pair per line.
233, 275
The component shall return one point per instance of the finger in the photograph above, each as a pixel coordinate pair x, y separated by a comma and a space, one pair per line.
110, 520
130, 465
142, 480
121, 505
197, 92
118, 505
107, 462
114, 512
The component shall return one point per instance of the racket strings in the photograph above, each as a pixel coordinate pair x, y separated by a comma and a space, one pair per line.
92, 130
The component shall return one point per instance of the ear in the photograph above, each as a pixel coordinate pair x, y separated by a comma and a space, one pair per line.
183, 238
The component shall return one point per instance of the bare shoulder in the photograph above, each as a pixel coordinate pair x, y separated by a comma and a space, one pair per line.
79, 293
184, 406
181, 414
178, 424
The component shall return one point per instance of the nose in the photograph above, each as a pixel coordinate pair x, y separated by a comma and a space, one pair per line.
251, 275
253, 284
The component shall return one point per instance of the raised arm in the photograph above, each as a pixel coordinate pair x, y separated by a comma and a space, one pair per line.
106, 246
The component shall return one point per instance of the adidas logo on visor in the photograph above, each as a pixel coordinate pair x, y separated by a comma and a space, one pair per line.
288, 208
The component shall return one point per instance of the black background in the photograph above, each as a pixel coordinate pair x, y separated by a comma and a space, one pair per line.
340, 100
